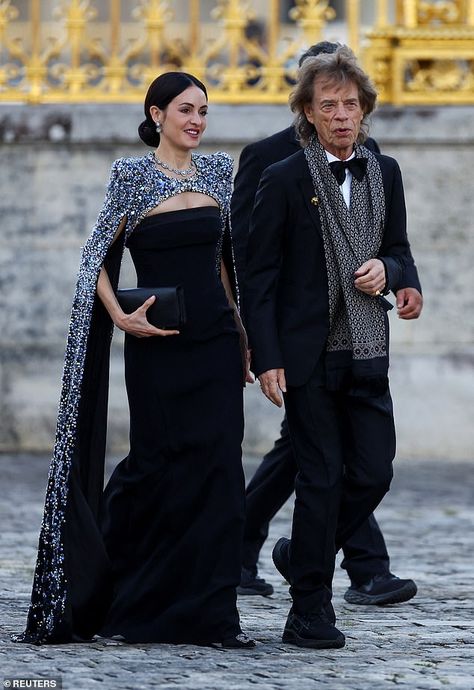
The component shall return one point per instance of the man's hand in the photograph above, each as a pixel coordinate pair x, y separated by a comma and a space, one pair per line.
409, 303
272, 382
370, 277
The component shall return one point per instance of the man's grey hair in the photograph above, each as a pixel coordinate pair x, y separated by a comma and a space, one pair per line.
338, 68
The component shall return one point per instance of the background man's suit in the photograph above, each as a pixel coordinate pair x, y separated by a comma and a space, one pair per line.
365, 553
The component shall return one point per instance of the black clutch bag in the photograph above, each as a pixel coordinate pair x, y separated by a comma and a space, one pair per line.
167, 311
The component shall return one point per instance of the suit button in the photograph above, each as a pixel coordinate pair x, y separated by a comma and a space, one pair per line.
314, 200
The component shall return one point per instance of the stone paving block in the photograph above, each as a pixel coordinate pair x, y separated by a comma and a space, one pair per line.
425, 644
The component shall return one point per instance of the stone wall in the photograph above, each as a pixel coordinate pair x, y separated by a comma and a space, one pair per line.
54, 166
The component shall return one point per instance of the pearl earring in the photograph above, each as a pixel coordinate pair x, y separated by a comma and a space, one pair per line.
158, 127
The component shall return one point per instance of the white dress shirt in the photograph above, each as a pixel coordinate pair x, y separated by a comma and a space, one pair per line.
346, 186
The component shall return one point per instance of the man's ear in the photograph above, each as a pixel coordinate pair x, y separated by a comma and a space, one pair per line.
308, 111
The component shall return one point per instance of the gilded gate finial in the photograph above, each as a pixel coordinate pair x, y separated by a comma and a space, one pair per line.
312, 16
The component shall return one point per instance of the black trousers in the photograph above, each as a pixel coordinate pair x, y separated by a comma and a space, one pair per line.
365, 552
344, 445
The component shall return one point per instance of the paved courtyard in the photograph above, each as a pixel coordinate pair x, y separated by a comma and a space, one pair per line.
426, 644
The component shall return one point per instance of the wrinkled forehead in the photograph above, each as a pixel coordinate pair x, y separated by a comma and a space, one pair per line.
332, 89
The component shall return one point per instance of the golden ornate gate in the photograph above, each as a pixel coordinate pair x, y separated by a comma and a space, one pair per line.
246, 52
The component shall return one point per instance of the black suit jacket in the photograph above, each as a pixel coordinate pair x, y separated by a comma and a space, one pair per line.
253, 160
285, 296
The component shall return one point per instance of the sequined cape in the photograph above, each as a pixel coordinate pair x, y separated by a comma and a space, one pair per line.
71, 587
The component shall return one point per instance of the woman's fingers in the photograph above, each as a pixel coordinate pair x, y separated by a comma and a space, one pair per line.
150, 332
248, 375
164, 333
147, 303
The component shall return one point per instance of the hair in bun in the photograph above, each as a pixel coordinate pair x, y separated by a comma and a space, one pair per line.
160, 93
148, 134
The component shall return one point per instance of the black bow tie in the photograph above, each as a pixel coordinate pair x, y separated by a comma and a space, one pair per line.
357, 166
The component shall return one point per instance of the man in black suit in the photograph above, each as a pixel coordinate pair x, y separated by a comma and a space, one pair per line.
317, 325
365, 554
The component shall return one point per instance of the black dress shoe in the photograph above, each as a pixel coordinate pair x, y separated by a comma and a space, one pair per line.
281, 557
382, 589
251, 584
241, 641
312, 630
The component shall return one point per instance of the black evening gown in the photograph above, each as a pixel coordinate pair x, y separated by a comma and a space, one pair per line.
174, 508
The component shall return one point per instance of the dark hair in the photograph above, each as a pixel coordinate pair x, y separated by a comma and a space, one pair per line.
160, 93
317, 49
340, 67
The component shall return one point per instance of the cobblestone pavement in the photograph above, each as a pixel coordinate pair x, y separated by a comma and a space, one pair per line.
428, 643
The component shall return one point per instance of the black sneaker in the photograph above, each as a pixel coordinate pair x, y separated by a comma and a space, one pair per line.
251, 585
312, 630
382, 589
281, 557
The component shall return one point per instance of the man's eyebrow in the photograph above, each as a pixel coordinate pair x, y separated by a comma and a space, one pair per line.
331, 101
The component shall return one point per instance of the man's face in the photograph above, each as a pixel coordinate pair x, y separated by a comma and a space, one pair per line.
336, 114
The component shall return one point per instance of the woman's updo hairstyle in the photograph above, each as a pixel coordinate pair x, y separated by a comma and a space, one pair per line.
160, 93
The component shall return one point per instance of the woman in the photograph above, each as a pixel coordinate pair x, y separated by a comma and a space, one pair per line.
157, 558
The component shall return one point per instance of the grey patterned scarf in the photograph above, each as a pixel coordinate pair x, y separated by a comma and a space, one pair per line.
357, 346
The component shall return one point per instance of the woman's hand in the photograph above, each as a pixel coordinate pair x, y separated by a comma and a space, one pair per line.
244, 345
245, 352
138, 325
135, 323
248, 375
